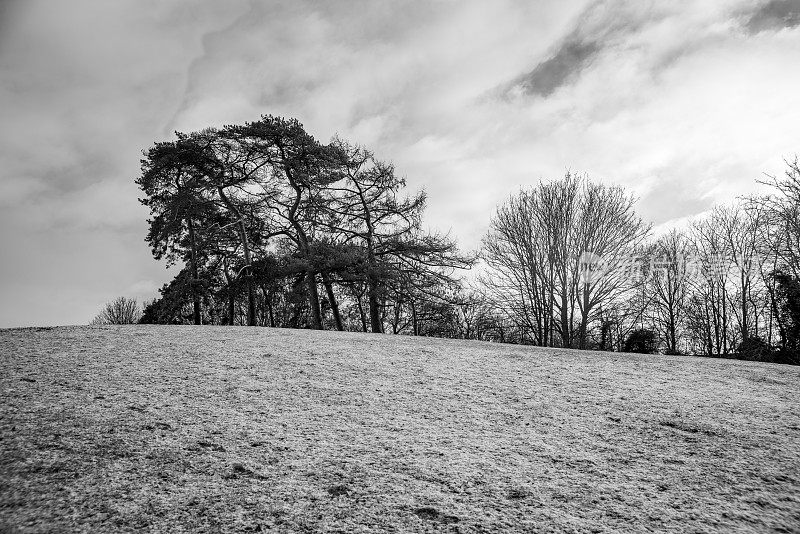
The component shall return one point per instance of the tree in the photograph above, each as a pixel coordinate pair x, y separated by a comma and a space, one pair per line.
609, 229
263, 210
519, 251
180, 207
276, 147
668, 286
709, 310
221, 166
176, 304
783, 208
545, 250
788, 317
366, 209
121, 310
741, 225
779, 240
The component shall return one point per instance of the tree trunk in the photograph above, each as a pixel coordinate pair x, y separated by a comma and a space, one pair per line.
565, 326
724, 320
397, 309
372, 277
313, 299
374, 305
271, 312
251, 295
270, 318
231, 296
337, 317
361, 312
414, 317
745, 321
198, 319
303, 245
584, 319
311, 280
673, 336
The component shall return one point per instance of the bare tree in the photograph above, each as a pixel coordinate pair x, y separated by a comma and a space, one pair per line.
710, 303
536, 251
610, 230
121, 310
730, 301
526, 251
783, 209
667, 285
780, 246
741, 226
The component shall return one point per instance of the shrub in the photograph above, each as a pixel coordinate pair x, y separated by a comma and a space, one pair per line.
119, 311
787, 356
642, 341
755, 349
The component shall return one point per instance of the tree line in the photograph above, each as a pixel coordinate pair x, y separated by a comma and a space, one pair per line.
570, 264
273, 228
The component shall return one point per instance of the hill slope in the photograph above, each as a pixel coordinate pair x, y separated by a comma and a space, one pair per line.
254, 429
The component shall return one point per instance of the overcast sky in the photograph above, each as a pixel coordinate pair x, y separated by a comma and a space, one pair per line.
684, 103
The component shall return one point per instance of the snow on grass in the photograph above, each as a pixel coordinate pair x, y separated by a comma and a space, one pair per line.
221, 429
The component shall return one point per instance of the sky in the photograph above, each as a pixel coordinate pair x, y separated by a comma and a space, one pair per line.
684, 103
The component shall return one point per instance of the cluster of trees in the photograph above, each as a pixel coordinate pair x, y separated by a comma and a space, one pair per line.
571, 265
273, 228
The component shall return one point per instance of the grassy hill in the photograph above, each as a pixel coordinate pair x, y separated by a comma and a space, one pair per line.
252, 429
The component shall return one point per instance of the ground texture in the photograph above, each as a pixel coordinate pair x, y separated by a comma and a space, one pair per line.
222, 429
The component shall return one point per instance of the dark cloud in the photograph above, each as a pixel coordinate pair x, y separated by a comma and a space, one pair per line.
559, 69
8, 10
601, 25
775, 15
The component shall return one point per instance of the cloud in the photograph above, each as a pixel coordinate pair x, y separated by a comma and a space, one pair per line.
562, 67
683, 103
774, 15
83, 89
600, 27
661, 92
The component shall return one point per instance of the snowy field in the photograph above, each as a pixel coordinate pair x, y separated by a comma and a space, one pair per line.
221, 429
